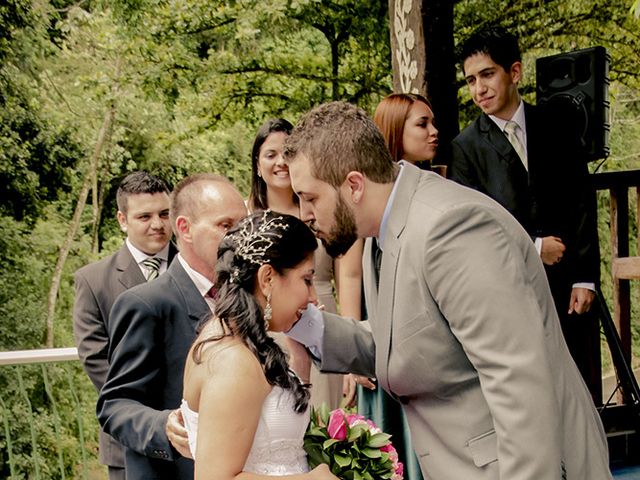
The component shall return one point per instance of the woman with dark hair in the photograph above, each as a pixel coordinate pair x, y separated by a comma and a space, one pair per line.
270, 183
245, 409
271, 189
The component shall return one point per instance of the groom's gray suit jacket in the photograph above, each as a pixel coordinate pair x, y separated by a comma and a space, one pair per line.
465, 334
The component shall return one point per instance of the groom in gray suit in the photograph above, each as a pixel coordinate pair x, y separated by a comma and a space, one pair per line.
143, 214
464, 331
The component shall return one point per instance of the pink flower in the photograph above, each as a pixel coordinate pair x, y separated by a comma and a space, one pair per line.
373, 427
388, 448
337, 427
353, 417
400, 469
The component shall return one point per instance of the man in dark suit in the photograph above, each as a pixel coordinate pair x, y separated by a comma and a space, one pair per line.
152, 327
528, 159
143, 214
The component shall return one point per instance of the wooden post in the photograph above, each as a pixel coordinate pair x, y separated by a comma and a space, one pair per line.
620, 249
440, 72
407, 46
423, 60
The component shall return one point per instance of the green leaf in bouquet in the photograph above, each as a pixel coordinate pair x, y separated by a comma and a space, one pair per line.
316, 431
315, 456
372, 452
357, 476
329, 442
323, 414
378, 440
367, 476
341, 460
356, 432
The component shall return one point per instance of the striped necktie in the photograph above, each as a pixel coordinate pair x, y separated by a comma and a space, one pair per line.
511, 131
153, 267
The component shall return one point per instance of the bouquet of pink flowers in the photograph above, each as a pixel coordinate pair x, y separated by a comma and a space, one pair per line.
353, 447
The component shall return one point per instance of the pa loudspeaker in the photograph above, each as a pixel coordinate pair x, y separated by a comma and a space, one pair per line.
577, 84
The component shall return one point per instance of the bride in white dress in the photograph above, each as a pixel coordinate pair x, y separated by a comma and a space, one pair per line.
244, 409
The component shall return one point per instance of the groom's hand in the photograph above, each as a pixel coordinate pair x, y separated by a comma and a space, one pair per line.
177, 434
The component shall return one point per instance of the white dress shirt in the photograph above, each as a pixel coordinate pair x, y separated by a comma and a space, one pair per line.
202, 283
139, 256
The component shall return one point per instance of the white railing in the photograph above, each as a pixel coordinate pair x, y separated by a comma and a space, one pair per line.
18, 357
41, 436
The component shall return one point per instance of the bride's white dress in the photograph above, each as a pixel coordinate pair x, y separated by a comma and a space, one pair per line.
277, 446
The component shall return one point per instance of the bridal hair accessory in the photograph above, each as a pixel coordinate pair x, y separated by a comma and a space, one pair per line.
268, 312
254, 242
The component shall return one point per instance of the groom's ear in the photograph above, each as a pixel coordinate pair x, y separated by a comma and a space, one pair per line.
354, 185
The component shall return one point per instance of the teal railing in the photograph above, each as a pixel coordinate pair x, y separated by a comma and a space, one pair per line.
48, 428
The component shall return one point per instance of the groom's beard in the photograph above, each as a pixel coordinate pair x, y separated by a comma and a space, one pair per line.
344, 233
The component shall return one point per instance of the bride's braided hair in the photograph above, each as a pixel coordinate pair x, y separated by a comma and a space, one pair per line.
264, 237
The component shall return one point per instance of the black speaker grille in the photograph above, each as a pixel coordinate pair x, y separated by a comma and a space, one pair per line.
576, 84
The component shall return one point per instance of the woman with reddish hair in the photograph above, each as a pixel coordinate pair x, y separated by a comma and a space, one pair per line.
407, 123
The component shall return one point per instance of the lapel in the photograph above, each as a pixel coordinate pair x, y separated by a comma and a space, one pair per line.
498, 141
535, 141
195, 304
129, 273
173, 251
396, 222
368, 277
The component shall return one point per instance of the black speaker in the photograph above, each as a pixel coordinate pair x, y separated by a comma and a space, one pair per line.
576, 84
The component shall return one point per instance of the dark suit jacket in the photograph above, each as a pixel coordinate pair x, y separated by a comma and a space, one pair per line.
97, 287
551, 199
152, 327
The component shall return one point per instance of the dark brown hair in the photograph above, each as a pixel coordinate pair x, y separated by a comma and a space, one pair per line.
258, 195
282, 241
136, 183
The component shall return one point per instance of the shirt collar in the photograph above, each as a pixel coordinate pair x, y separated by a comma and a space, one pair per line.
387, 208
517, 117
202, 283
139, 256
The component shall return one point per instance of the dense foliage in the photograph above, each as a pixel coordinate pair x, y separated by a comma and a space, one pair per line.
91, 90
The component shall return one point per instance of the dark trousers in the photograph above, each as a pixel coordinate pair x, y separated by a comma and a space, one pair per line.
582, 334
116, 473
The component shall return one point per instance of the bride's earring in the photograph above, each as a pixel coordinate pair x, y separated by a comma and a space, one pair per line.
267, 312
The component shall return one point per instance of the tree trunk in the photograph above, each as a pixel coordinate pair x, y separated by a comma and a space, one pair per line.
95, 205
95, 240
99, 190
335, 66
107, 123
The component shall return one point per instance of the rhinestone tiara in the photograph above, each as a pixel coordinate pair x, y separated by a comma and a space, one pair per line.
254, 242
